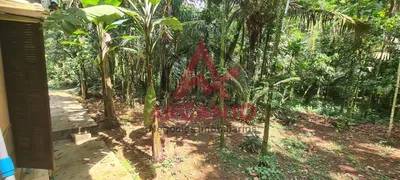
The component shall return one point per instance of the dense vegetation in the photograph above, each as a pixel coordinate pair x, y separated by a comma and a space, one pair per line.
338, 58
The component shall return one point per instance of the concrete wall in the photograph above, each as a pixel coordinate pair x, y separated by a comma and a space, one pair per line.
4, 119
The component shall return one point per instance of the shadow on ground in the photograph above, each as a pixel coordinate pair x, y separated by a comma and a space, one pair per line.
89, 160
309, 148
357, 153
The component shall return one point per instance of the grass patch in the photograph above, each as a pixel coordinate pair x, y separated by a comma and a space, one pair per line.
233, 160
295, 148
267, 168
297, 163
169, 163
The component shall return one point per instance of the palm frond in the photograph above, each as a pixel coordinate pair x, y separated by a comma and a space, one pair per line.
313, 15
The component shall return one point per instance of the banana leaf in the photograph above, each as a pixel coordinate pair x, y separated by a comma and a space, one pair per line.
149, 106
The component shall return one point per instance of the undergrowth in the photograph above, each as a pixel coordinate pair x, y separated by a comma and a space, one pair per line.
333, 110
267, 168
234, 160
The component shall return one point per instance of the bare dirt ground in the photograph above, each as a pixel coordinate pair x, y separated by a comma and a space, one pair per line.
311, 148
360, 153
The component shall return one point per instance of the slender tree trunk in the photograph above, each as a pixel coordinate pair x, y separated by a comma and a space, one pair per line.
273, 58
222, 59
129, 93
165, 74
264, 147
131, 80
396, 91
266, 50
354, 78
251, 63
350, 91
231, 49
131, 83
84, 88
242, 52
124, 78
165, 80
394, 8
109, 110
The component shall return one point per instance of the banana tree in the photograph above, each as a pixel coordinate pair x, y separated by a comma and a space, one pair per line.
143, 14
105, 18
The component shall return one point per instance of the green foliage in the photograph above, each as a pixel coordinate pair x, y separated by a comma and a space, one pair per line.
102, 14
328, 57
169, 163
154, 2
232, 160
73, 19
296, 147
341, 125
171, 22
100, 2
267, 168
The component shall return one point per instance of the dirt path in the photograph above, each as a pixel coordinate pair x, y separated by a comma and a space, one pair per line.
91, 159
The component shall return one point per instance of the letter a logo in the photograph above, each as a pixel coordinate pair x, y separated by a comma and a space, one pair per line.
186, 84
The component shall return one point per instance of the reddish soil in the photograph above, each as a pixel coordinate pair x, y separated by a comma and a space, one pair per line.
189, 155
364, 144
359, 153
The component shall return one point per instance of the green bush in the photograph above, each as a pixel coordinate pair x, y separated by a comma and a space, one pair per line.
267, 168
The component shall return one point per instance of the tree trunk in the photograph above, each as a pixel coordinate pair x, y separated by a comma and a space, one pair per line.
221, 63
131, 84
165, 84
232, 46
351, 89
266, 49
354, 78
396, 91
84, 88
264, 146
242, 51
273, 58
124, 78
394, 7
222, 126
157, 146
109, 110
